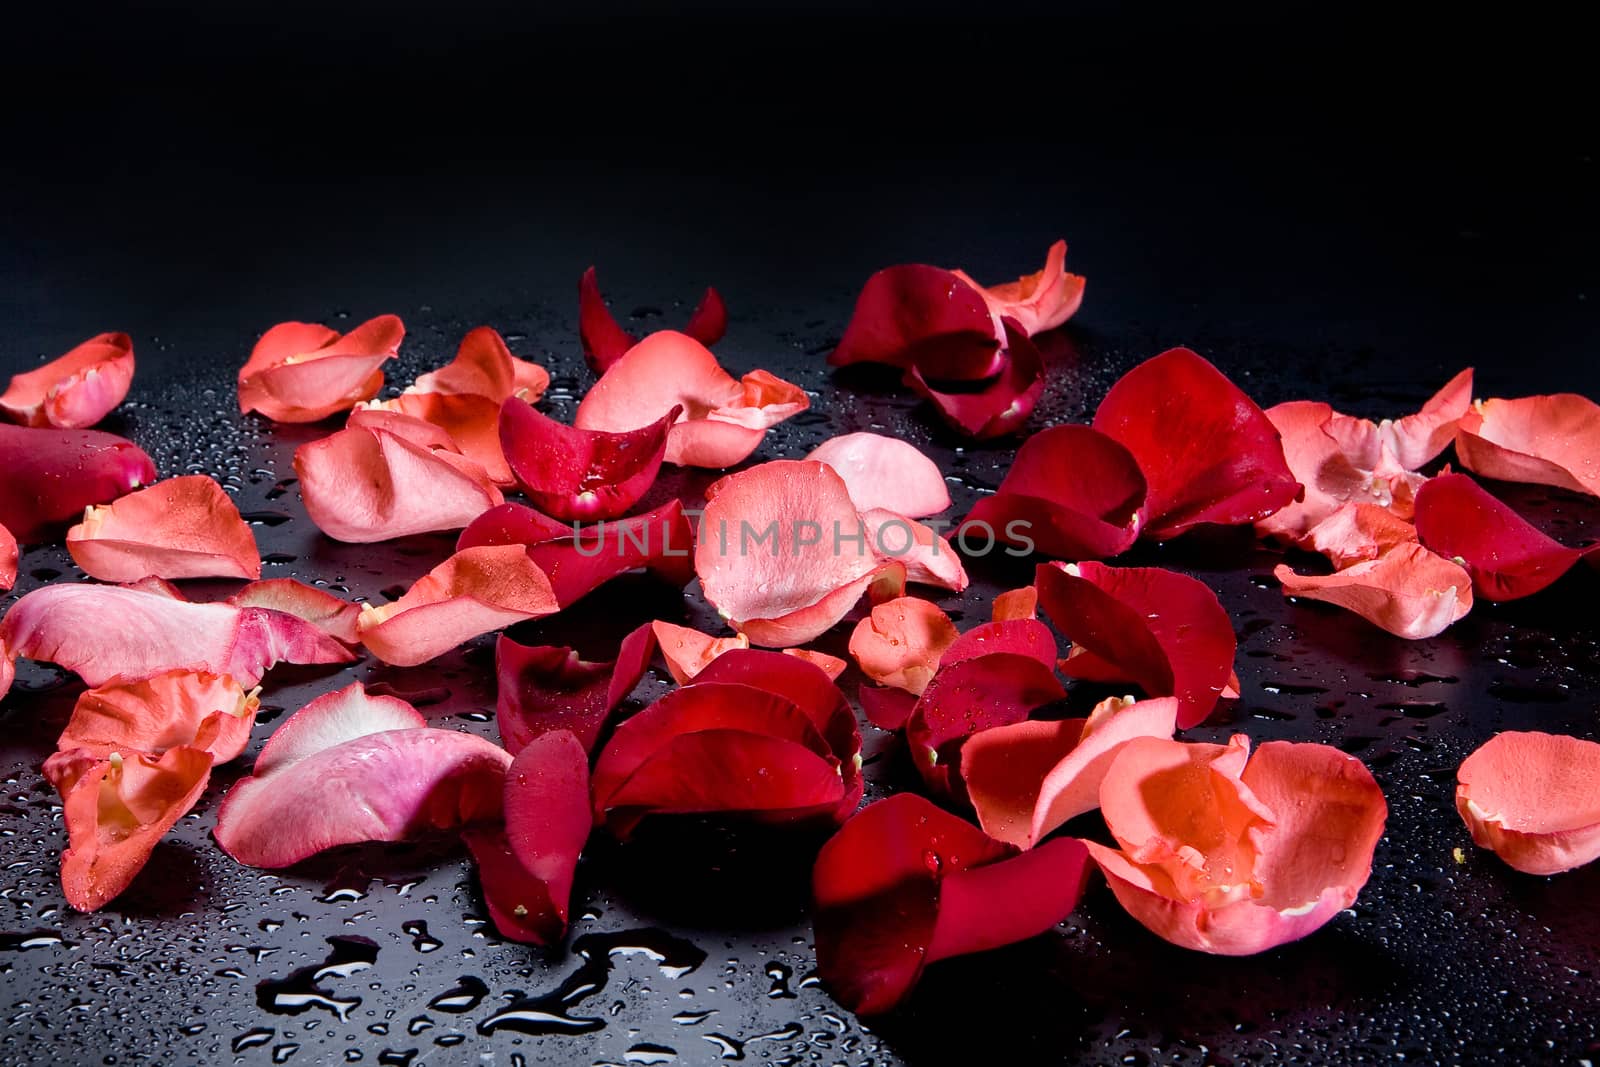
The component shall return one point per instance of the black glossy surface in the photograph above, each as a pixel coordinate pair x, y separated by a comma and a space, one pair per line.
1232, 187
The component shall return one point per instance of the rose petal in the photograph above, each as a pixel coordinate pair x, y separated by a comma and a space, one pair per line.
900, 642
332, 615
709, 319
485, 367
688, 651
1409, 591
513, 524
605, 342
1534, 798
527, 866
723, 419
1040, 301
1016, 604
885, 472
116, 810
999, 904
473, 592
968, 696
581, 474
926, 556
886, 707
1208, 453
1548, 440
332, 719
547, 688
1029, 778
1505, 554
1022, 637
302, 372
196, 708
47, 477
1002, 405
1318, 461
1417, 439
75, 390
9, 558
102, 631
465, 423
184, 527
1160, 630
832, 666
1359, 532
925, 317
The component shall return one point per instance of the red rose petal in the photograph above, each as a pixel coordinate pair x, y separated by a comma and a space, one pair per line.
1408, 591
332, 615
1022, 637
1208, 453
9, 558
467, 423
709, 319
1040, 301
364, 484
723, 419
899, 644
924, 317
605, 342
196, 708
1534, 798
999, 904
1027, 779
1548, 440
102, 631
1072, 492
1505, 554
1160, 630
473, 592
581, 474
926, 556
302, 372
527, 866
513, 524
1002, 405
184, 527
972, 695
546, 688
485, 367
75, 390
885, 472
1359, 532
886, 707
47, 477
116, 810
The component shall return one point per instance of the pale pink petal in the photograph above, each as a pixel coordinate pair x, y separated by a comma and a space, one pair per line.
885, 472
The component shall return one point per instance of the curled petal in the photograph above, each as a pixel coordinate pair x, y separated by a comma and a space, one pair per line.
964, 698
197, 708
709, 319
900, 643
605, 342
363, 484
332, 719
181, 528
1534, 798
302, 372
1318, 461
1002, 903
1072, 492
1004, 403
1417, 439
581, 474
917, 316
333, 615
1549, 440
926, 556
1409, 591
116, 810
1359, 532
885, 472
1208, 453
513, 524
8, 672
47, 477
1040, 301
548, 688
1505, 554
1022, 637
832, 666
1029, 778
485, 367
688, 651
76, 390
102, 631
464, 422
1158, 629
723, 419
1016, 604
527, 866
9, 557
473, 592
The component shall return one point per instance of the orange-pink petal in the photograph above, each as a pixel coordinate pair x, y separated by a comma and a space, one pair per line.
1534, 798
899, 644
208, 711
1549, 440
303, 372
1039, 301
184, 527
1408, 591
76, 390
688, 651
485, 367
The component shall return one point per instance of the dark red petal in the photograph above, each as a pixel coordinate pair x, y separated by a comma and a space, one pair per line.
886, 707
1163, 631
581, 474
47, 477
920, 316
1003, 404
968, 696
998, 904
1022, 637
548, 688
1072, 492
604, 341
709, 320
512, 524
1505, 554
876, 885
1208, 453
526, 867
9, 557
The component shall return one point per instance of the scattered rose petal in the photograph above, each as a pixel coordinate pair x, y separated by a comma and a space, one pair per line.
581, 474
1164, 632
605, 342
916, 316
927, 557
9, 558
1004, 403
47, 477
899, 644
1359, 532
1022, 637
333, 615
1548, 440
184, 527
1071, 492
1040, 301
1414, 439
1409, 591
102, 631
723, 419
1027, 779
303, 372
545, 688
1505, 554
1533, 798
832, 666
1016, 604
1208, 453
885, 472
466, 423
485, 367
76, 390
688, 651
473, 592
365, 484
197, 708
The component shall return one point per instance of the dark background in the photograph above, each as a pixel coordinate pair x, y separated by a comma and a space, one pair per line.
1341, 205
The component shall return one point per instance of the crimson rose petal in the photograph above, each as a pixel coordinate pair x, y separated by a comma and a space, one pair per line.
545, 688
917, 316
1505, 554
1004, 403
47, 477
581, 474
